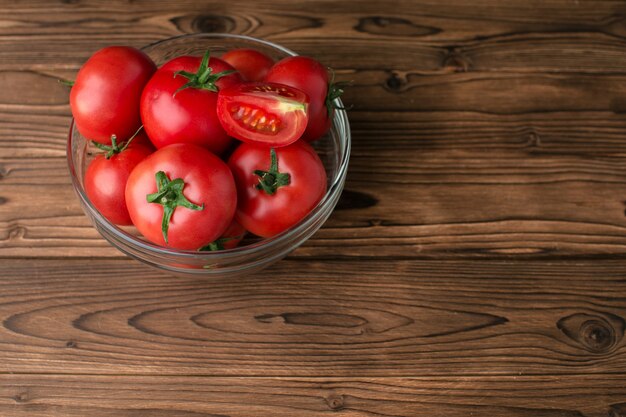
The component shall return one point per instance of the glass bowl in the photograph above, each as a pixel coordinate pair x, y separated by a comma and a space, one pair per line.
253, 255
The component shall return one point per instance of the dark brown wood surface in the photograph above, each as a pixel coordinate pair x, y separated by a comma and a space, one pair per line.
475, 265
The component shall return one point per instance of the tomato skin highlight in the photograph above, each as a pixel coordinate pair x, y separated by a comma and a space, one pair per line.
267, 113
267, 215
310, 76
105, 179
208, 182
189, 115
251, 64
105, 96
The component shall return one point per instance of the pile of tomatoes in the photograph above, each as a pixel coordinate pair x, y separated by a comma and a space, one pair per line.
202, 150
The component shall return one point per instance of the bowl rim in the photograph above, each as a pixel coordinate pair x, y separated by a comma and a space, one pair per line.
340, 120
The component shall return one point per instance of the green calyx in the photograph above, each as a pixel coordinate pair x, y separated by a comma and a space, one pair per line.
115, 148
170, 195
218, 244
213, 246
335, 90
272, 180
204, 79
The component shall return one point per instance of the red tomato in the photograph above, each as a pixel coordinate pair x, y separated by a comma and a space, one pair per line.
251, 64
181, 196
105, 97
178, 103
266, 113
229, 239
311, 77
276, 188
107, 174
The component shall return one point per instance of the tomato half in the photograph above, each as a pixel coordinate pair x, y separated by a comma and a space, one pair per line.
311, 77
179, 102
251, 64
181, 196
276, 188
107, 174
105, 96
266, 113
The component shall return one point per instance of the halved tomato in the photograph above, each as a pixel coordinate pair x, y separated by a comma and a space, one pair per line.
265, 113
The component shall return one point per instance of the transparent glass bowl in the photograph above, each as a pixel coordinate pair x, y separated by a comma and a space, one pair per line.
253, 255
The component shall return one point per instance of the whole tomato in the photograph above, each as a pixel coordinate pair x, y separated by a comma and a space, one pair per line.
107, 174
276, 188
251, 64
181, 196
105, 96
311, 77
178, 104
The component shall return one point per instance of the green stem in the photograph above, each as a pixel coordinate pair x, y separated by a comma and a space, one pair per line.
335, 90
203, 79
218, 244
170, 195
67, 83
115, 147
270, 181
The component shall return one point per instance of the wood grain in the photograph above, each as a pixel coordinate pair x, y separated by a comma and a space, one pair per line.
138, 396
474, 265
503, 132
331, 318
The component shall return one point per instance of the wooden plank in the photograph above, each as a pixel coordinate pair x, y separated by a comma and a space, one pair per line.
140, 396
438, 184
332, 318
449, 36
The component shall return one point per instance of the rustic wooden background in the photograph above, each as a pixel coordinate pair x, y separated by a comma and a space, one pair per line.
475, 266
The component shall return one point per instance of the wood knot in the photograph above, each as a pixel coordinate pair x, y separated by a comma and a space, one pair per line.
4, 172
208, 23
3, 200
596, 334
213, 23
395, 83
533, 140
617, 410
335, 402
393, 26
21, 398
71, 344
456, 61
17, 233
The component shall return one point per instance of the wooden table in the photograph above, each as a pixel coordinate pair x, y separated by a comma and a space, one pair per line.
474, 267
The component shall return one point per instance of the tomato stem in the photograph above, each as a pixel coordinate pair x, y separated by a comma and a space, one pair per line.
68, 83
335, 90
170, 195
219, 243
115, 147
270, 181
203, 79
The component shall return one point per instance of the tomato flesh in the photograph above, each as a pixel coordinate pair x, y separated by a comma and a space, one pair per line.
311, 77
266, 113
